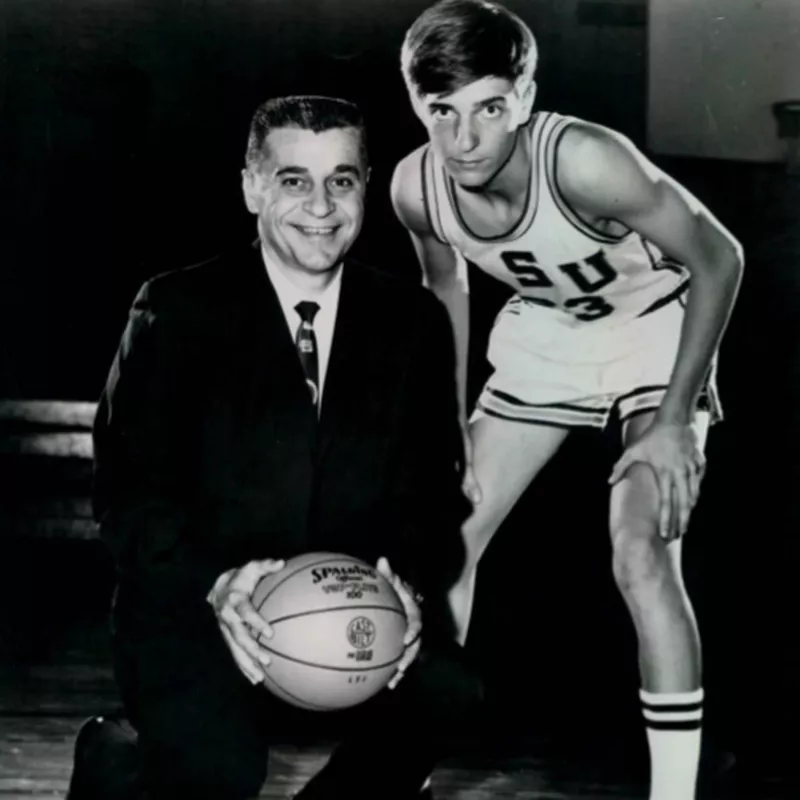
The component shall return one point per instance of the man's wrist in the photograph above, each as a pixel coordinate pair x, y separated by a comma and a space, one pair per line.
677, 408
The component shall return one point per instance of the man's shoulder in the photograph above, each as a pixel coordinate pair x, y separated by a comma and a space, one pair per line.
209, 279
588, 151
410, 165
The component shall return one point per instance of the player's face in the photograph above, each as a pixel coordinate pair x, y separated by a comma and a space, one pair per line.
308, 196
472, 129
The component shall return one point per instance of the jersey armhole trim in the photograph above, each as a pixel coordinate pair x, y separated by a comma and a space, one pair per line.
570, 214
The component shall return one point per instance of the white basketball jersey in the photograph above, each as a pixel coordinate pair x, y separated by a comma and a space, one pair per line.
552, 257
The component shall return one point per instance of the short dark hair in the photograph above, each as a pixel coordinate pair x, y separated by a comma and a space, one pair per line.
307, 112
456, 42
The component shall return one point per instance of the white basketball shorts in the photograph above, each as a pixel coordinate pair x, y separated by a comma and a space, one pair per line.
548, 371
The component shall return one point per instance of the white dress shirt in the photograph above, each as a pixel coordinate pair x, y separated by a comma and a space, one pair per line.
290, 295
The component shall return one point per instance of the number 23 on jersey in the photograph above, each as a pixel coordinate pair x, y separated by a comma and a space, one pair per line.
588, 276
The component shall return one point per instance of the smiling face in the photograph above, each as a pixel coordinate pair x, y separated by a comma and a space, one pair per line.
308, 194
473, 129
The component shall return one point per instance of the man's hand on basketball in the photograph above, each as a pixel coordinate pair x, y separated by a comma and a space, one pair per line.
240, 623
672, 450
413, 615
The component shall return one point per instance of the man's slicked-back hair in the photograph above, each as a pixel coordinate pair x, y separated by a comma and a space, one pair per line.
456, 42
307, 112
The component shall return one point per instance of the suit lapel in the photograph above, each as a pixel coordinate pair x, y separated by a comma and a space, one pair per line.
278, 379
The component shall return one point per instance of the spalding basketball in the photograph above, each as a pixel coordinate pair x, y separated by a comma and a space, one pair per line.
338, 630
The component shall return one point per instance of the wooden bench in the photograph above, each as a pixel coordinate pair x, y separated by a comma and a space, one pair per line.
46, 469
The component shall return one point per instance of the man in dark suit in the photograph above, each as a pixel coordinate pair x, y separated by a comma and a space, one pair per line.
276, 400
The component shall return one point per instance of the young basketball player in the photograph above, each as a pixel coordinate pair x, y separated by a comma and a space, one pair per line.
624, 284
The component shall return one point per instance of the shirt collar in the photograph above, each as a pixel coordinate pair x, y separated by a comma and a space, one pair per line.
290, 295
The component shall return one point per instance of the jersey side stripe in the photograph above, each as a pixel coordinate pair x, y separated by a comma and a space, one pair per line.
676, 294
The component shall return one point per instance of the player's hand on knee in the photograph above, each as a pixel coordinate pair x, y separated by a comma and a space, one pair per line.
241, 625
413, 612
673, 452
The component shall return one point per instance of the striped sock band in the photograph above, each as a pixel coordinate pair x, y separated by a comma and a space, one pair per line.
673, 711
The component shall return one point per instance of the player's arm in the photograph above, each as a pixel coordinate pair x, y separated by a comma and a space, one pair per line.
442, 271
425, 504
603, 175
445, 274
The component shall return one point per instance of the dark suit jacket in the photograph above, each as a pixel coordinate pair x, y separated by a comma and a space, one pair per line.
209, 453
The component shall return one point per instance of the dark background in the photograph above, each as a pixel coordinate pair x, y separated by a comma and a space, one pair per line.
122, 135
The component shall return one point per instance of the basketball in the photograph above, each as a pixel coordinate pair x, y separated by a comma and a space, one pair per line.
338, 631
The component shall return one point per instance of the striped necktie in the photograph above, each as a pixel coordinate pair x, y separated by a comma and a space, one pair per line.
306, 343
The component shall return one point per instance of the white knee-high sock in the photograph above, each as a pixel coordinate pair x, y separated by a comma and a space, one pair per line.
673, 723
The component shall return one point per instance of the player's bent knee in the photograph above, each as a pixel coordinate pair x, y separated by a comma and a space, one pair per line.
640, 559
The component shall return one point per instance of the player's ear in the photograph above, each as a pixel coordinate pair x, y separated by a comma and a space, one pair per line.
419, 107
522, 97
250, 182
527, 100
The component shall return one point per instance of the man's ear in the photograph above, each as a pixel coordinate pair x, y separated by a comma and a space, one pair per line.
250, 190
526, 102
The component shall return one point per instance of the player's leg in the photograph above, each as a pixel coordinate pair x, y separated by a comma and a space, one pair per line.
648, 573
507, 456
